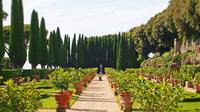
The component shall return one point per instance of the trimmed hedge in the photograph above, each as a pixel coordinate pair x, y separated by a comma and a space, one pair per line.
10, 73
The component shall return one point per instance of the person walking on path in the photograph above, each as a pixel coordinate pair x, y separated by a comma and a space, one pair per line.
100, 71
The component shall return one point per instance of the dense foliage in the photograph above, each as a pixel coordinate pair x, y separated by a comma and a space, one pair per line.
179, 20
152, 97
62, 78
14, 98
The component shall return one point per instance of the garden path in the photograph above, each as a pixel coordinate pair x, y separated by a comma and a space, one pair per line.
97, 97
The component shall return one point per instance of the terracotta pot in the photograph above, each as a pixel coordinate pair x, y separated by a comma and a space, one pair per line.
63, 99
36, 77
159, 79
46, 76
190, 85
198, 88
79, 87
126, 97
174, 82
85, 82
17, 80
126, 101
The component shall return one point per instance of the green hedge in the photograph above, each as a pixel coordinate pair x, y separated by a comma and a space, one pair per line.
9, 73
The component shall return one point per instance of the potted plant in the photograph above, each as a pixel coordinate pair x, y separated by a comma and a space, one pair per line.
36, 75
125, 97
60, 80
17, 76
47, 72
76, 79
197, 81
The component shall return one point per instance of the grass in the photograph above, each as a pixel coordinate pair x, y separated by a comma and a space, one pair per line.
190, 107
191, 102
50, 103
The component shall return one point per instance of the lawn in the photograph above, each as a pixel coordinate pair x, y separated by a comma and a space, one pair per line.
50, 103
191, 102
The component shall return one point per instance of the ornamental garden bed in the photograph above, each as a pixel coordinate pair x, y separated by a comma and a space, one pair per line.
47, 89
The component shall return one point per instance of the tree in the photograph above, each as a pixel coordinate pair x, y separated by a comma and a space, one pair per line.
74, 52
17, 50
34, 47
2, 49
132, 54
43, 44
51, 51
58, 47
65, 52
68, 52
55, 49
121, 55
80, 52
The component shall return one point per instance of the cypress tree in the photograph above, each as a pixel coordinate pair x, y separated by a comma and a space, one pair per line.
68, 52
62, 61
120, 57
43, 44
82, 60
132, 59
55, 49
34, 47
65, 51
2, 49
79, 51
86, 49
74, 52
17, 50
50, 51
116, 49
58, 46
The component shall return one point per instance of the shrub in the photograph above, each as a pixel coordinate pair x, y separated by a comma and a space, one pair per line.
152, 97
60, 79
10, 73
14, 98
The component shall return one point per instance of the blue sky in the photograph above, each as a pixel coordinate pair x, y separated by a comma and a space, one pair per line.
91, 17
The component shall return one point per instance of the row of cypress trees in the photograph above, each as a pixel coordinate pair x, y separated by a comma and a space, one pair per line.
117, 51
